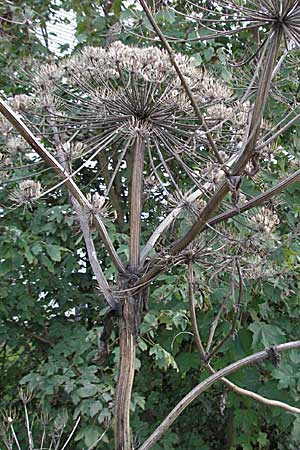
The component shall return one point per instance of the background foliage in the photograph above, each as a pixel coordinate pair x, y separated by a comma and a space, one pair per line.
48, 339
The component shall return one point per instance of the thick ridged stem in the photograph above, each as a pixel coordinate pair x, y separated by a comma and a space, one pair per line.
127, 328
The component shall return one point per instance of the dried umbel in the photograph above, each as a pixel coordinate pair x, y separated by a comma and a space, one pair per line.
73, 150
263, 16
15, 145
26, 192
265, 220
100, 206
112, 97
21, 102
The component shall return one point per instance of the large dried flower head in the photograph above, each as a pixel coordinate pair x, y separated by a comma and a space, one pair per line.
114, 97
26, 192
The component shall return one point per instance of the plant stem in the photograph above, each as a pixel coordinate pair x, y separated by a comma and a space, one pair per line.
136, 203
204, 385
127, 325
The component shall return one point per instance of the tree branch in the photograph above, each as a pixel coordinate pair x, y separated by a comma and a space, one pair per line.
24, 131
204, 385
237, 306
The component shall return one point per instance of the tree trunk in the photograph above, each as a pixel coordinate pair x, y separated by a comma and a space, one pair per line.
131, 309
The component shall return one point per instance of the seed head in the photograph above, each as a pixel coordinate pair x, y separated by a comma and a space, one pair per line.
26, 193
15, 145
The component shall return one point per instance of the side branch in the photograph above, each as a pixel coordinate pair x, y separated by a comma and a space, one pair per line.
258, 200
24, 131
203, 356
204, 385
102, 282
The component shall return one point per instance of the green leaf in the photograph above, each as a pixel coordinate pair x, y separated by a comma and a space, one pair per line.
163, 358
90, 434
296, 431
117, 7
295, 356
54, 251
36, 248
95, 408
87, 391
29, 256
265, 335
208, 53
104, 415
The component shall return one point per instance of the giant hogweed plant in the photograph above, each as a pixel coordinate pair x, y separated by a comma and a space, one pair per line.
156, 137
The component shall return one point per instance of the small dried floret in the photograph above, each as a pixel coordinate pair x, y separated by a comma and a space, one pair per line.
100, 206
47, 101
5, 126
4, 160
15, 145
46, 77
73, 150
265, 219
212, 175
26, 192
21, 102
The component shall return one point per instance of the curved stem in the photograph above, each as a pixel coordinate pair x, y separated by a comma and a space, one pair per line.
237, 389
204, 385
